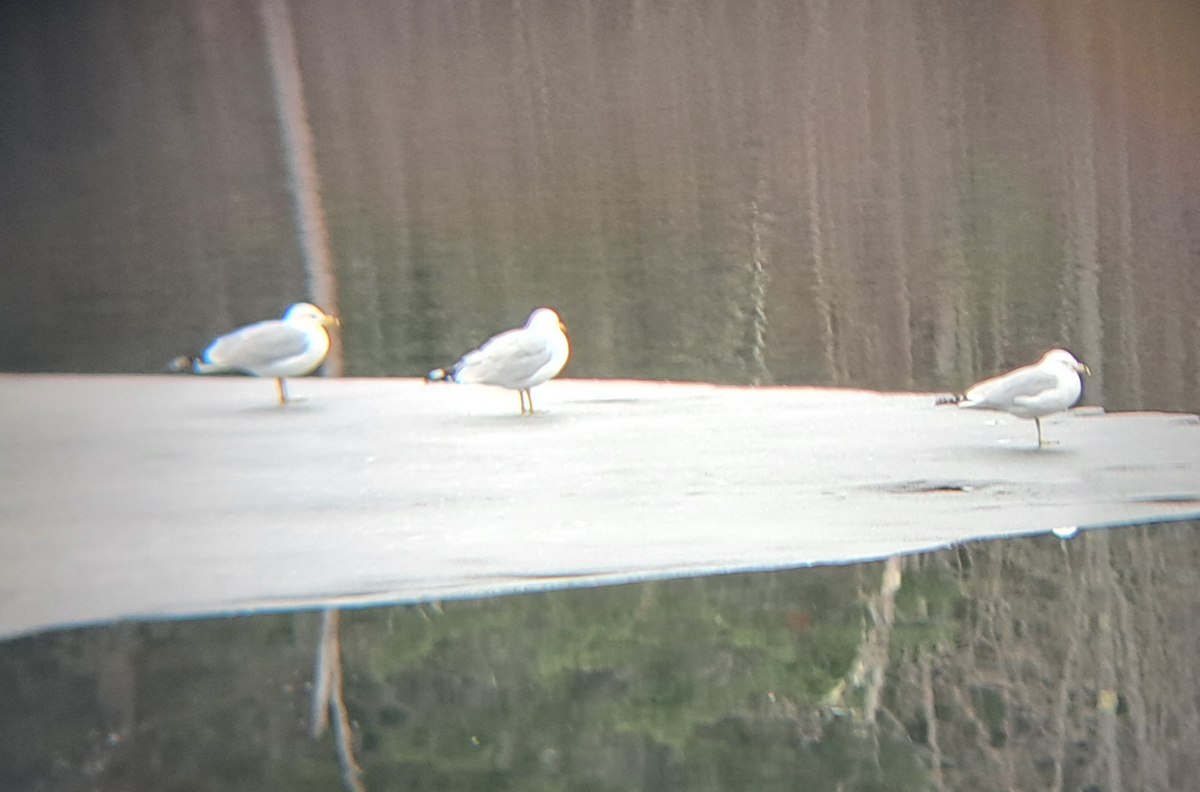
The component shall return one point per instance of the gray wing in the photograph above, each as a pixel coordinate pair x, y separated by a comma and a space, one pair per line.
508, 359
257, 345
1003, 391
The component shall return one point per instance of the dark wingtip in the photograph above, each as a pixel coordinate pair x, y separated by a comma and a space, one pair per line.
437, 375
951, 399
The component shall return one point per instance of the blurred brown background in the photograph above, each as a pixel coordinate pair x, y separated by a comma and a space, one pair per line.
902, 194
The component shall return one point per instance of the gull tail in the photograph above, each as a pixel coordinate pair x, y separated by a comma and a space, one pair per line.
182, 364
440, 375
196, 364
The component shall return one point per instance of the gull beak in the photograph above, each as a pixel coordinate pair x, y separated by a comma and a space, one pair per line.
1083, 369
330, 321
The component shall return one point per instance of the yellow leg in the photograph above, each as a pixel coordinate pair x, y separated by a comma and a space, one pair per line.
280, 390
529, 393
1041, 441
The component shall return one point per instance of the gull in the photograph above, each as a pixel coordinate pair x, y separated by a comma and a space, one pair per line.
518, 359
289, 347
1049, 386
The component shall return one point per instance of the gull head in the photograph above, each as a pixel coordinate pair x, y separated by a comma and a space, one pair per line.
1061, 357
545, 319
311, 313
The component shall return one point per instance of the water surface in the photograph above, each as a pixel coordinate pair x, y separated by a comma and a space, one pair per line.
902, 195
1031, 663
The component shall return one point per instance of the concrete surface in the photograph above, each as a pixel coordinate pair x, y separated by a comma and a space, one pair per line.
172, 496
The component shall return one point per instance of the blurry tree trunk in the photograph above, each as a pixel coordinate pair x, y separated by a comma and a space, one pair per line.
327, 699
1102, 585
874, 653
1076, 620
297, 144
759, 219
1150, 754
535, 142
758, 297
1169, 195
935, 750
888, 75
814, 187
954, 337
594, 186
1124, 314
1077, 144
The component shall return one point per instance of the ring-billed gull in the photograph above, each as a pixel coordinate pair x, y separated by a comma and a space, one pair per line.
518, 359
289, 347
1051, 385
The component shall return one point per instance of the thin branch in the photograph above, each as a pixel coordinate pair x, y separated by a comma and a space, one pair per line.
323, 674
327, 698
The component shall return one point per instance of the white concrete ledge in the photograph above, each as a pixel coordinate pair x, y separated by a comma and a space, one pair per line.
175, 495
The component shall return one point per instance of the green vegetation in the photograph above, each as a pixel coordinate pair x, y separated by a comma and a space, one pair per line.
686, 684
